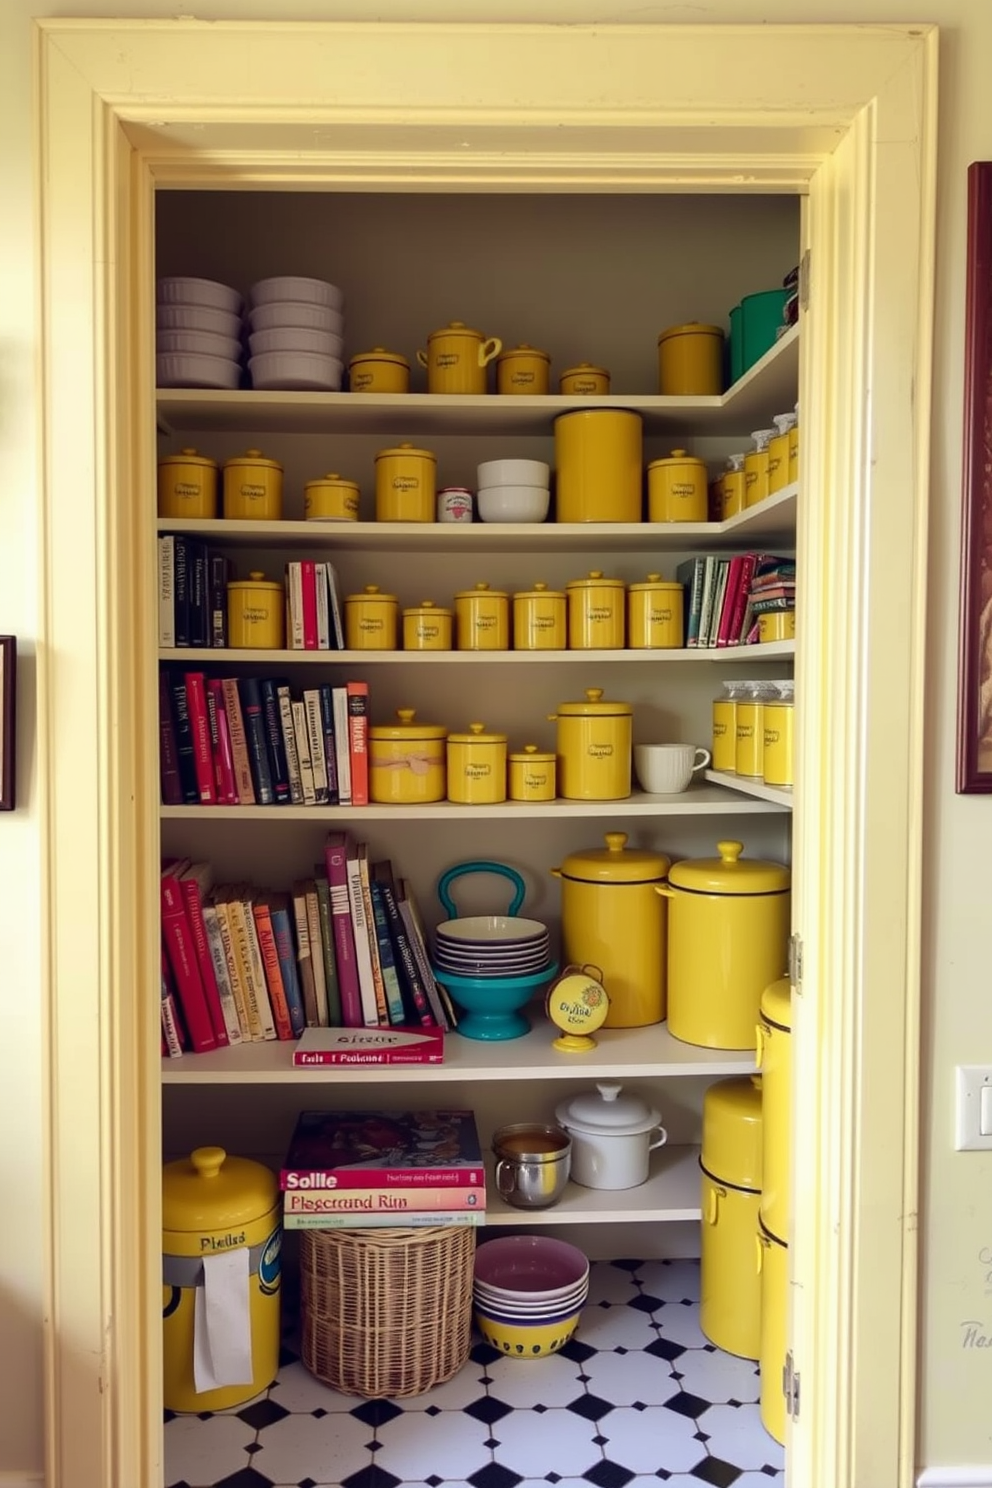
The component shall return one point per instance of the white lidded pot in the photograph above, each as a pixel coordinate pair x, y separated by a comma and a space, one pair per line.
612, 1135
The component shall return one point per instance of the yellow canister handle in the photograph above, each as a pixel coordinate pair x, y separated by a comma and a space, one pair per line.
713, 1198
489, 349
759, 1045
665, 891
422, 358
762, 1245
555, 872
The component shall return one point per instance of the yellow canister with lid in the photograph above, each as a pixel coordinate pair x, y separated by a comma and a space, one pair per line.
371, 620
585, 380
774, 1057
477, 767
690, 360
724, 742
539, 619
457, 357
252, 488
794, 449
523, 369
379, 371
405, 481
750, 728
773, 1270
756, 467
655, 614
407, 761
256, 613
778, 452
593, 748
777, 720
731, 1179
218, 1211
734, 478
531, 774
482, 619
678, 489
331, 499
598, 458
427, 627
597, 617
777, 625
187, 486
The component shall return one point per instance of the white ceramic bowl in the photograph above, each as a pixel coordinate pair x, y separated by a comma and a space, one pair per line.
296, 371
281, 313
293, 287
176, 289
513, 473
204, 343
186, 369
512, 503
198, 318
296, 338
491, 930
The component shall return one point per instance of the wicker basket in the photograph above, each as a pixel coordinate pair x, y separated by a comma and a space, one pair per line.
386, 1312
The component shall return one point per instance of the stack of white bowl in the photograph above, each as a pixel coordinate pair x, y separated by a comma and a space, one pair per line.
296, 334
513, 491
492, 946
528, 1293
197, 333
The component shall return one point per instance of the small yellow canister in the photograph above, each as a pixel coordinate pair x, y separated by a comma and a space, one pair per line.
750, 728
523, 369
733, 486
794, 449
731, 1164
379, 371
371, 620
477, 767
252, 488
773, 1269
256, 613
331, 499
596, 613
482, 619
778, 452
678, 489
405, 481
777, 719
777, 625
724, 744
427, 627
654, 614
531, 774
598, 454
406, 761
690, 360
756, 467
539, 619
585, 380
187, 486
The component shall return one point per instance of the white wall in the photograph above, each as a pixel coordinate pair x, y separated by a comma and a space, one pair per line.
957, 1215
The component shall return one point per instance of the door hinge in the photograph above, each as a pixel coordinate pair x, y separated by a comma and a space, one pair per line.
796, 961
804, 281
790, 1386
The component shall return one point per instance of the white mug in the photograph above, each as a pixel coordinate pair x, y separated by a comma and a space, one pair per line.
665, 769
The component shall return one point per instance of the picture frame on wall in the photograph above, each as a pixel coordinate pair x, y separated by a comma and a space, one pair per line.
8, 695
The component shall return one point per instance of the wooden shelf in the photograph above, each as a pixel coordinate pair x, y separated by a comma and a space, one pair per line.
670, 1195
780, 795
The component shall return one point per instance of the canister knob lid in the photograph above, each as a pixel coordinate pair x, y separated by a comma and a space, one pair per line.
730, 873
608, 1111
211, 1191
616, 863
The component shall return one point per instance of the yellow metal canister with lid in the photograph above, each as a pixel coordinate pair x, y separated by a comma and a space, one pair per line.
221, 1244
597, 618
457, 357
774, 1058
482, 619
331, 499
523, 369
371, 620
427, 627
256, 613
794, 449
531, 774
252, 488
777, 625
773, 1270
777, 723
187, 486
750, 728
756, 467
690, 360
477, 767
778, 452
594, 748
407, 761
724, 743
731, 1178
379, 371
655, 614
584, 380
678, 489
405, 481
539, 619
610, 919
598, 459
733, 486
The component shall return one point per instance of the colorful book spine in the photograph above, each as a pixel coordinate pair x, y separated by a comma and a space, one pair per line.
383, 1221
289, 744
302, 736
317, 952
335, 860
315, 739
358, 741
250, 964
244, 784
219, 578
339, 698
309, 589
730, 597
418, 1009
362, 1201
327, 946
221, 906
258, 749
415, 930
227, 789
177, 937
371, 1016
304, 961
387, 958
330, 751
215, 944
323, 607
181, 589
286, 951
166, 592
273, 733
172, 1029
168, 745
194, 882
294, 605
271, 968
199, 615
199, 723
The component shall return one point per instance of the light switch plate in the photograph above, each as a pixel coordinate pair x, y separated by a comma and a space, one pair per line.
969, 1102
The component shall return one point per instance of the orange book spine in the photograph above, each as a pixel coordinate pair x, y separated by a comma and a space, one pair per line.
273, 972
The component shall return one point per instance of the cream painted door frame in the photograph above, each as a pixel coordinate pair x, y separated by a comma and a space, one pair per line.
845, 114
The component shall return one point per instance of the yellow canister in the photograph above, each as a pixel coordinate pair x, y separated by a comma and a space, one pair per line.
728, 931
477, 767
523, 369
427, 627
654, 614
724, 743
379, 371
584, 380
749, 755
690, 360
214, 1208
482, 619
331, 499
773, 1268
794, 449
256, 613
777, 720
756, 467
187, 486
457, 357
777, 625
531, 775
407, 761
778, 452
371, 620
774, 1051
731, 1157
598, 464
678, 489
405, 480
610, 920
597, 618
539, 619
252, 488
593, 749
733, 486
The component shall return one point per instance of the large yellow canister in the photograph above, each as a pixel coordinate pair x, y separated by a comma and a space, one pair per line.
690, 360
187, 486
594, 748
221, 1245
654, 614
256, 613
539, 619
477, 767
598, 457
773, 1266
252, 488
731, 1163
407, 761
774, 1052
597, 618
457, 357
482, 619
405, 481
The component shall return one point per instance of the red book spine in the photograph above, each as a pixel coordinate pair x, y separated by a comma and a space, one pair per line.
168, 748
189, 883
173, 1033
178, 940
273, 971
373, 1200
199, 722
358, 741
729, 601
336, 863
227, 791
309, 578
748, 565
336, 1179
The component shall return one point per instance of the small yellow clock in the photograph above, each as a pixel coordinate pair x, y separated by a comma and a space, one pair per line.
577, 1003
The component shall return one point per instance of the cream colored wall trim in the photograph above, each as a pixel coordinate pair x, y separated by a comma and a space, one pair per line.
21, 1480
956, 1477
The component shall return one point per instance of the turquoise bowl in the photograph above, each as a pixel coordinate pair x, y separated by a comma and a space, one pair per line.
492, 1005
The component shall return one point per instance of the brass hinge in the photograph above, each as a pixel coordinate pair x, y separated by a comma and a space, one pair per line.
804, 281
796, 961
790, 1386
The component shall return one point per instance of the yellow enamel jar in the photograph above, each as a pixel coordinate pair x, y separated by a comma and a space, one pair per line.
774, 1058
654, 614
331, 499
728, 931
457, 357
482, 619
379, 371
731, 1178
598, 455
678, 489
212, 1206
584, 380
407, 761
777, 721
371, 620
794, 449
252, 488
523, 369
477, 767
724, 742
539, 619
690, 360
593, 748
610, 919
187, 486
756, 467
531, 775
778, 452
597, 618
256, 613
405, 480
773, 1268
777, 625
749, 754
733, 486
427, 627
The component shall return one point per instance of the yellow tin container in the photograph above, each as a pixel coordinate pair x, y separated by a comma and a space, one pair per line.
733, 486
457, 357
655, 614
777, 625
371, 620
756, 467
777, 719
477, 767
678, 489
256, 613
690, 360
794, 449
724, 742
252, 488
405, 480
597, 618
213, 1206
407, 761
593, 748
531, 775
523, 369
427, 627
778, 452
749, 753
774, 1058
773, 1269
584, 380
731, 1157
482, 619
379, 371
539, 619
331, 499
187, 486
598, 465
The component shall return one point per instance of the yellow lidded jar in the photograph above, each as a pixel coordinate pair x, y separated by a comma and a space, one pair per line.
379, 371
539, 619
777, 719
405, 480
523, 369
778, 452
531, 775
733, 486
256, 613
371, 620
655, 614
777, 625
678, 489
756, 467
750, 728
427, 627
457, 357
598, 456
477, 767
407, 761
593, 748
724, 743
187, 486
331, 499
773, 1269
731, 1174
690, 360
482, 619
585, 380
596, 612
774, 1054
794, 449
252, 488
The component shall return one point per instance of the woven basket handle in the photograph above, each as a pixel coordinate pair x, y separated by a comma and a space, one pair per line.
480, 866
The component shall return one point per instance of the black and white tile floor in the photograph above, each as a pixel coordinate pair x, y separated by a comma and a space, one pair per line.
637, 1396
